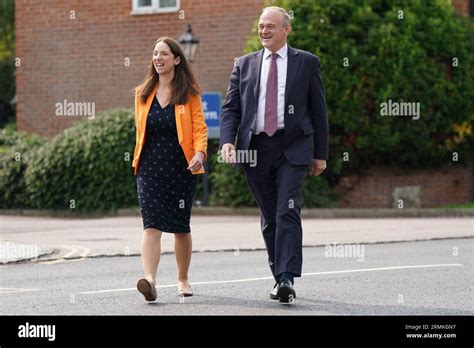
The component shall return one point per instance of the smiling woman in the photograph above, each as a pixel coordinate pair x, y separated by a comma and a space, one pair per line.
171, 143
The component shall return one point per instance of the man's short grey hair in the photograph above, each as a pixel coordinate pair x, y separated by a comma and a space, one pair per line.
286, 21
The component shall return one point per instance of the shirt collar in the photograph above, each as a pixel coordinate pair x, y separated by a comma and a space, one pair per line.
282, 52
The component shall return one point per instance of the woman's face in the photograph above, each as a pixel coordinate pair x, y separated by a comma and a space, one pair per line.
163, 59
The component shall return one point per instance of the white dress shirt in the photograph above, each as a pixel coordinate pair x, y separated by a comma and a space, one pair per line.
282, 65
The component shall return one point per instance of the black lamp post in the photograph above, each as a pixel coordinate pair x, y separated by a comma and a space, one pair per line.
190, 43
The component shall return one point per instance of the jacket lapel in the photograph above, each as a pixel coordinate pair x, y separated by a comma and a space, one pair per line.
178, 112
256, 67
144, 110
293, 64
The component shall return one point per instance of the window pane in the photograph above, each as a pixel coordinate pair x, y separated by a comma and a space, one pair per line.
167, 3
144, 3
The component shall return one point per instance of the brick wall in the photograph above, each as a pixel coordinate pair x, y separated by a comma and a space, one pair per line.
462, 6
374, 189
82, 59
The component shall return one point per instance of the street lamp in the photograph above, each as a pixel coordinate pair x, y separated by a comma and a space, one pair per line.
189, 43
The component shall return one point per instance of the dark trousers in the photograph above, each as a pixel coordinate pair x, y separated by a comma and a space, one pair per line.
276, 186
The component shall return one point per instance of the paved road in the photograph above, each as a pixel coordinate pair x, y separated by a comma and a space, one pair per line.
76, 238
405, 278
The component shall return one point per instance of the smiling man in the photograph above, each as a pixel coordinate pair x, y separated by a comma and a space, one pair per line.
275, 105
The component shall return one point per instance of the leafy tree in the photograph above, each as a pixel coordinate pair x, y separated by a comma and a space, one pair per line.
7, 67
404, 51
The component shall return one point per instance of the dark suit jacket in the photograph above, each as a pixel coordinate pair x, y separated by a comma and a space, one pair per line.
306, 123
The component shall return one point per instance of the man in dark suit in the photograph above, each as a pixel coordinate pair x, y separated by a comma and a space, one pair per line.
275, 106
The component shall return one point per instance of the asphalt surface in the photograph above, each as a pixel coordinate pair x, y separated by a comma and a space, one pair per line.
403, 278
114, 236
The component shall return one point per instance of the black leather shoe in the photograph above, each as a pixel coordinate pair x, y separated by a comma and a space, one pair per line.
273, 293
286, 294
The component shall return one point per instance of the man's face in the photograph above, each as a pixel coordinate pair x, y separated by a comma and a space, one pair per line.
271, 31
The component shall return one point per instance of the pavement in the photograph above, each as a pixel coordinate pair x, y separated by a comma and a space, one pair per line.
352, 266
59, 239
404, 278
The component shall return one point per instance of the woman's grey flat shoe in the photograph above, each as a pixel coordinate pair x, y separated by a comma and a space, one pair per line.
186, 292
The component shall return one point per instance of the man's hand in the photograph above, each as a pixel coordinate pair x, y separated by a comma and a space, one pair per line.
228, 153
196, 162
318, 167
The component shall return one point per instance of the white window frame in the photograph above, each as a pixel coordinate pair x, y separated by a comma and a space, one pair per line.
154, 8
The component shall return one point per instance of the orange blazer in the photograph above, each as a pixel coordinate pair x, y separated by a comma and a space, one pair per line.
190, 126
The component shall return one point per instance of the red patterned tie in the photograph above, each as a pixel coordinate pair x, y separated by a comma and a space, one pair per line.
271, 98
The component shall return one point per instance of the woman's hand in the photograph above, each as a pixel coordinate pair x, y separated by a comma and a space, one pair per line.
196, 162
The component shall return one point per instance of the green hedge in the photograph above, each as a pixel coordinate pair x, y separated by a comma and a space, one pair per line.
230, 189
15, 152
87, 167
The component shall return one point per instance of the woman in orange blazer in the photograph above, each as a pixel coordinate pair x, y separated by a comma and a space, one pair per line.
170, 149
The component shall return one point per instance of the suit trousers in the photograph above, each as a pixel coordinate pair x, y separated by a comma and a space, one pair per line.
276, 186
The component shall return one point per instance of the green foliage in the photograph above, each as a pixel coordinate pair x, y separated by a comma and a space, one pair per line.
317, 193
15, 151
7, 28
87, 167
230, 189
7, 90
7, 67
405, 60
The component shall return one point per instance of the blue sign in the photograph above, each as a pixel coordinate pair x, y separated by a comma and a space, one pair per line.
211, 104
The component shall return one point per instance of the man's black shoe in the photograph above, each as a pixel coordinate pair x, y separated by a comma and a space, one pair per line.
286, 293
273, 293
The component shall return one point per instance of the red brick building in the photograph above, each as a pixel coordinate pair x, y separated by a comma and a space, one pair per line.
464, 7
97, 51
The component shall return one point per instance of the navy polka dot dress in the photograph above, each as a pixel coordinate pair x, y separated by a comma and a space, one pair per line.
165, 187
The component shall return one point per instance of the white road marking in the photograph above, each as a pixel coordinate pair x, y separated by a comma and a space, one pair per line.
86, 251
70, 255
83, 255
387, 268
304, 275
72, 249
13, 290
